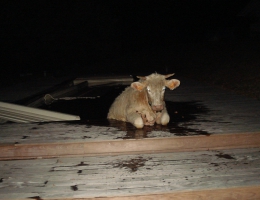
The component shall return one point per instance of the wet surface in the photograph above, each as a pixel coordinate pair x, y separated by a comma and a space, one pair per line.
93, 112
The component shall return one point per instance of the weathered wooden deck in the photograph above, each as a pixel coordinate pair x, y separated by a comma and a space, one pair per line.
210, 150
128, 175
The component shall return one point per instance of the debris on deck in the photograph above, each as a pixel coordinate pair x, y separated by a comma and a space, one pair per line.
24, 114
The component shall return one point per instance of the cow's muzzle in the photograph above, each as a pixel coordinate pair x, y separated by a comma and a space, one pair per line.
157, 107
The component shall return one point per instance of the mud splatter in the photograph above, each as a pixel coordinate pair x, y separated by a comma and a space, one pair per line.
74, 187
214, 164
36, 198
82, 164
133, 164
226, 156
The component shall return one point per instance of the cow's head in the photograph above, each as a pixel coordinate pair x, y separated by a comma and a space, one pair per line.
155, 85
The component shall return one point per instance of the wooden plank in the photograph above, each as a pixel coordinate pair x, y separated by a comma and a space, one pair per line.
135, 176
70, 132
57, 132
150, 145
245, 193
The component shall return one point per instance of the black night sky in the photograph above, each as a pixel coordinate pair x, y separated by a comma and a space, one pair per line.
107, 36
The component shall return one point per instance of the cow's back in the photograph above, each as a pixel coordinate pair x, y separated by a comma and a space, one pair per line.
118, 108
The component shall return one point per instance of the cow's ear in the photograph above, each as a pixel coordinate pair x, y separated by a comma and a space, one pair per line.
172, 84
138, 86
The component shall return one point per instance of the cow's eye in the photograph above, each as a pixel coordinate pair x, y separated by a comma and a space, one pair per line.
148, 89
163, 89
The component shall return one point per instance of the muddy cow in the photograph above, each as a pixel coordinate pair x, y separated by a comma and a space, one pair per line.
143, 103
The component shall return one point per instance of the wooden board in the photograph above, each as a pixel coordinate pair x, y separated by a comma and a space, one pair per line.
245, 193
177, 144
193, 175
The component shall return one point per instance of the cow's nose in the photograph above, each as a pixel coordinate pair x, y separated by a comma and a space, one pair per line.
157, 107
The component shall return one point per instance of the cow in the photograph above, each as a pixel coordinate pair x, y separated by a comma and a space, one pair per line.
143, 103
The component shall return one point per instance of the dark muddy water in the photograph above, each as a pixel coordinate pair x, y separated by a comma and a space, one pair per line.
94, 112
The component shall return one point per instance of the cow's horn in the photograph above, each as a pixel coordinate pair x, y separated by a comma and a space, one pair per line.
141, 77
168, 75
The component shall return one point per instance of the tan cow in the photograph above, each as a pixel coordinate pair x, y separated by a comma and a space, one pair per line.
143, 103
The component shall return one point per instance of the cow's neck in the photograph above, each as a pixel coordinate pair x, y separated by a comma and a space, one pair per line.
143, 98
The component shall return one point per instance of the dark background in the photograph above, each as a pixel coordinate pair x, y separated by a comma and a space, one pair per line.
115, 36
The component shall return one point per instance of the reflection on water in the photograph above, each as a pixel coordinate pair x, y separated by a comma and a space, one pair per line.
182, 115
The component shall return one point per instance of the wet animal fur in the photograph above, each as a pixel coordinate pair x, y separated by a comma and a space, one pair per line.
135, 103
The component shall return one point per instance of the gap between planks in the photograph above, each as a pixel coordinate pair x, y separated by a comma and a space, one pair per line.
119, 147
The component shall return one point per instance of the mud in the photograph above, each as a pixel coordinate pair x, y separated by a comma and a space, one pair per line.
94, 112
36, 198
